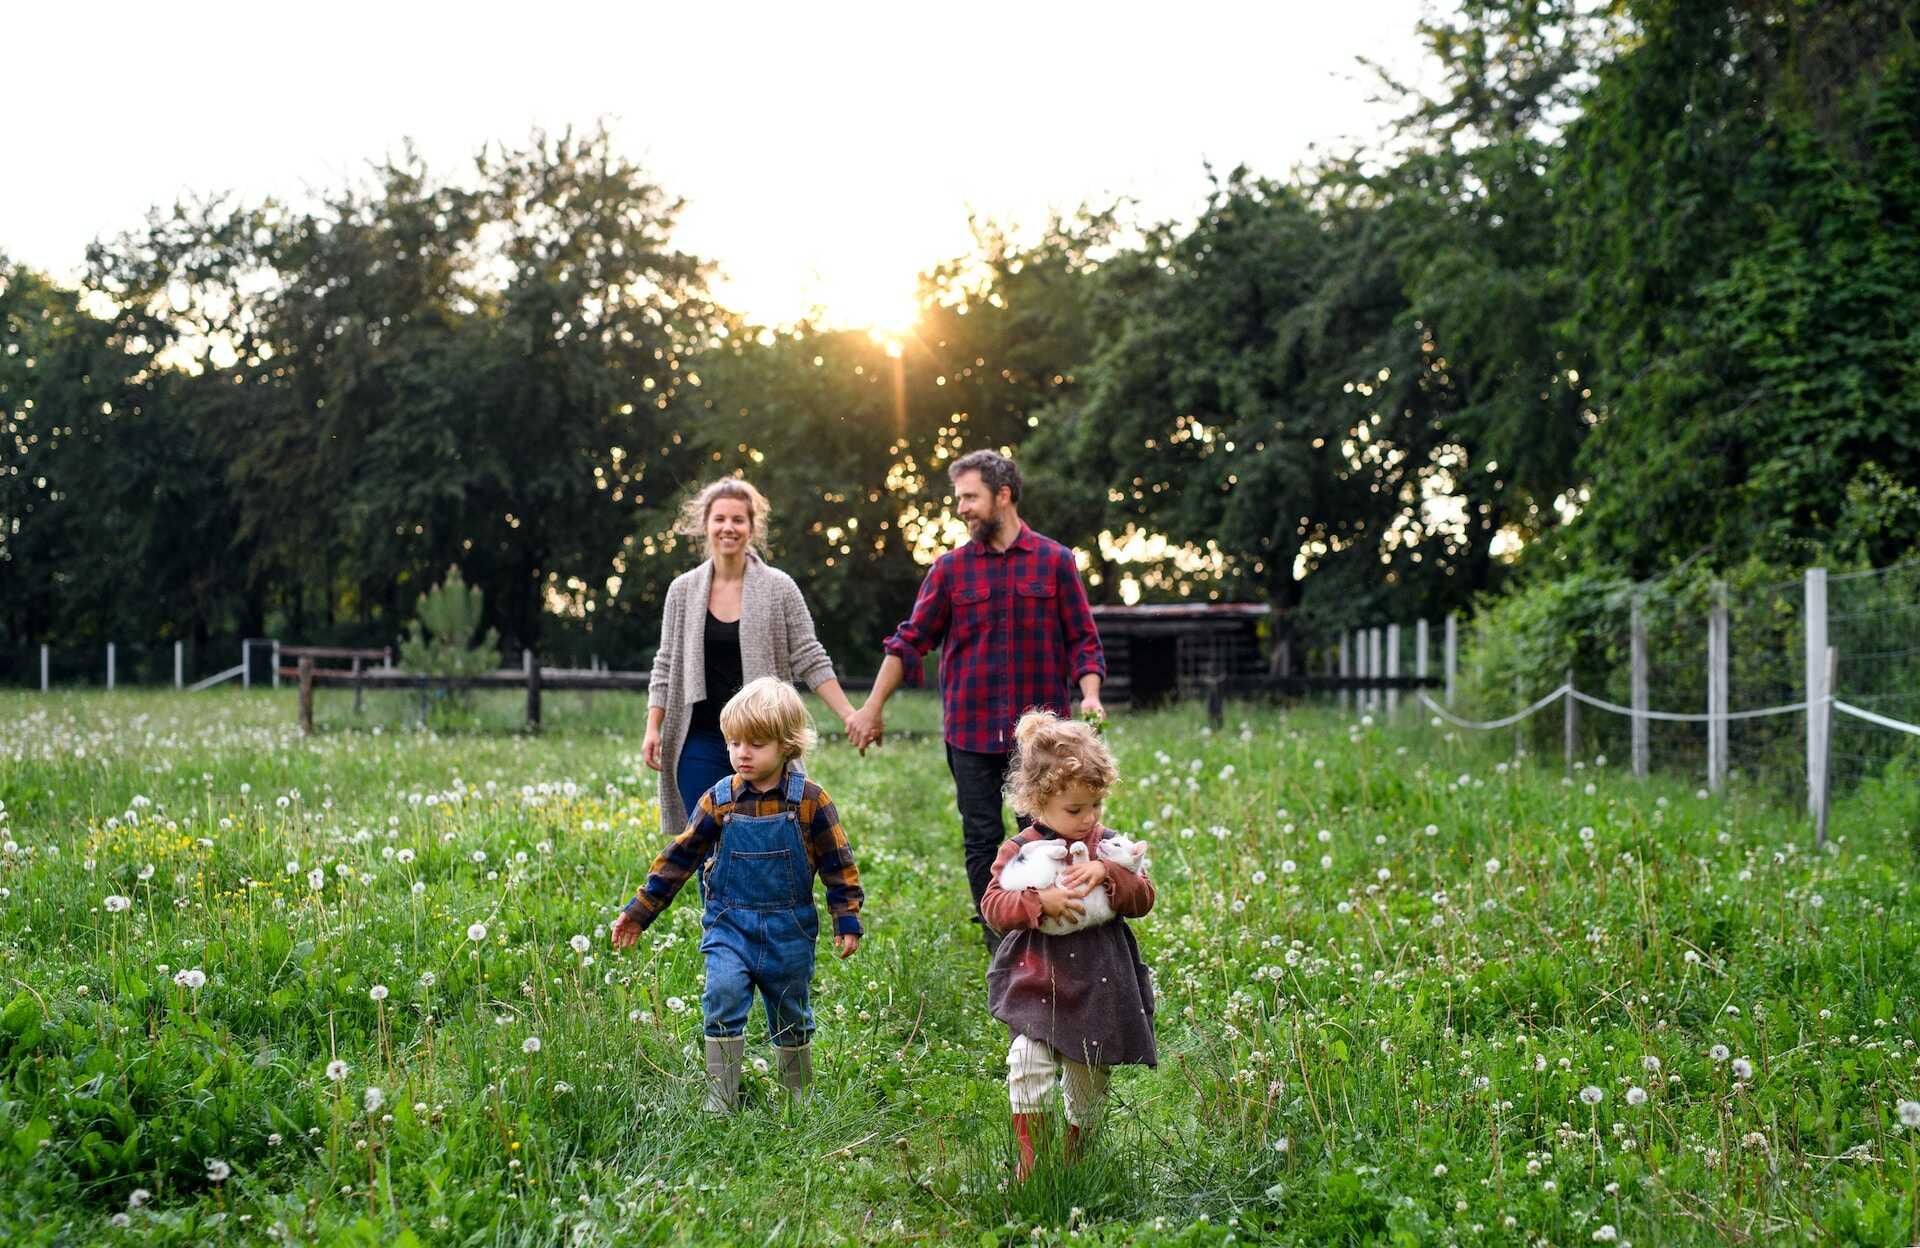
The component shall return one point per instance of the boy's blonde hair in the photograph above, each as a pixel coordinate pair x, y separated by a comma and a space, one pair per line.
692, 521
1051, 753
768, 709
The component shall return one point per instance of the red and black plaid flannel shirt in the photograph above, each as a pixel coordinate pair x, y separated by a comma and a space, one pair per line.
1015, 634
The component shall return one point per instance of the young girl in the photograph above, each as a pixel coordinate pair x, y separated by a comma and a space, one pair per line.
1080, 1004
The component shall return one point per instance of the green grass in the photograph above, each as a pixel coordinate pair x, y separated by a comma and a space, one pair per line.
1371, 1030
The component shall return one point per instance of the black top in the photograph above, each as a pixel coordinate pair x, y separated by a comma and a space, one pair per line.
724, 675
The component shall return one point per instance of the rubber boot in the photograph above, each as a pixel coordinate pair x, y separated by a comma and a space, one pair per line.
795, 1068
1023, 1132
724, 1054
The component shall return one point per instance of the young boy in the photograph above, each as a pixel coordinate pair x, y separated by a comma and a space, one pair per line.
758, 837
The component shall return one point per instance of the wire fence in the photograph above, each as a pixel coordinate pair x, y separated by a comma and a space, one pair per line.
1804, 687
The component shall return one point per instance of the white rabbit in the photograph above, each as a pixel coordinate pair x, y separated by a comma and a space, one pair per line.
1039, 864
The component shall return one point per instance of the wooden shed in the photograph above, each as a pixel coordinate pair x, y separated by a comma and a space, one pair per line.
1171, 650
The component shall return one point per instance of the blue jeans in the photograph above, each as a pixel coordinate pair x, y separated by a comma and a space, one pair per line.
703, 763
760, 927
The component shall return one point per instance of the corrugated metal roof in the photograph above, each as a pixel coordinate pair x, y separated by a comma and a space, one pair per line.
1184, 611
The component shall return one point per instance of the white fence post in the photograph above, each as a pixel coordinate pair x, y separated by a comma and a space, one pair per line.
246, 664
1717, 690
1346, 667
1640, 700
1571, 722
1817, 691
1823, 799
276, 663
110, 672
1393, 668
1420, 648
43, 667
1373, 666
179, 664
1452, 657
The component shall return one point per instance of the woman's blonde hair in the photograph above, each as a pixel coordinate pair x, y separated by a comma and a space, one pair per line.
693, 513
1051, 753
768, 709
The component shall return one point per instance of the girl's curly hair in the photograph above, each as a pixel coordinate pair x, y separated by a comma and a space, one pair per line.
1051, 753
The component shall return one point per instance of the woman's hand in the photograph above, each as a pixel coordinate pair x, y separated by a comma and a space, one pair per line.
1085, 876
625, 931
1061, 903
650, 747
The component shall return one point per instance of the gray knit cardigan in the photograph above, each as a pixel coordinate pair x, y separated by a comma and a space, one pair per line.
776, 639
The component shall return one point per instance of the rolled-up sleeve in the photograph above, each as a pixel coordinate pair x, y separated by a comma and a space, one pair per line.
1082, 636
805, 654
926, 627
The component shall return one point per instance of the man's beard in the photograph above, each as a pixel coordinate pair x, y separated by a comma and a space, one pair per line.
984, 527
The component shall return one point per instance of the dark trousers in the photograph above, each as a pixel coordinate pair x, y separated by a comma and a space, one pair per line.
977, 781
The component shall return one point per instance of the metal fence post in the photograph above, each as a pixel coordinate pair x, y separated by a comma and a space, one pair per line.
1638, 627
1346, 667
44, 668
246, 664
1420, 648
1373, 666
110, 671
1571, 722
179, 664
1717, 690
1452, 656
276, 663
1823, 798
1817, 691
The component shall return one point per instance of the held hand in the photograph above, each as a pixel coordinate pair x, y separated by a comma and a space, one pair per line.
625, 932
865, 726
1061, 903
845, 943
1091, 710
1085, 876
650, 748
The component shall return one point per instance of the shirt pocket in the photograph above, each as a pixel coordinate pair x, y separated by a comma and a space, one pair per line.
972, 610
1035, 597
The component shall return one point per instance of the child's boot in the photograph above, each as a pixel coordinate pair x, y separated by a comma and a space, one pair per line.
724, 1054
795, 1068
1023, 1132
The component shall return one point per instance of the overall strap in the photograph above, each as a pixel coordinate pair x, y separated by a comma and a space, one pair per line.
722, 793
796, 782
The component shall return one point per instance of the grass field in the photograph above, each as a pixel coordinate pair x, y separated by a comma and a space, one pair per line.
1410, 992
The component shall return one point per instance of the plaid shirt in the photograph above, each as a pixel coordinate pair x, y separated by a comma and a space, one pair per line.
1015, 634
827, 851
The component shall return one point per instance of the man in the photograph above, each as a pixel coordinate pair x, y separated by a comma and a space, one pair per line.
1011, 618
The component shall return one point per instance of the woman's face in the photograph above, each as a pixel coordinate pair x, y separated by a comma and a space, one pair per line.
729, 526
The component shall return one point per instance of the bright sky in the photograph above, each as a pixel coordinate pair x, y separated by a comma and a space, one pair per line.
828, 152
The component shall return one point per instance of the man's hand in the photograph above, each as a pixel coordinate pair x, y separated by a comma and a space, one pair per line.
1091, 709
1085, 876
845, 943
625, 931
1061, 903
865, 726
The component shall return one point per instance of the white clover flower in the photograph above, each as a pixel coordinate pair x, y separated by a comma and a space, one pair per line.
1650, 1064
760, 1064
1440, 1170
373, 1099
1606, 1234
530, 1045
378, 992
477, 932
219, 1171
1718, 1053
1636, 1096
419, 887
676, 1005
479, 855
193, 979
1742, 1068
275, 1140
1383, 875
120, 1221
1259, 877
404, 856
580, 943
316, 879
293, 866
1592, 1095
337, 1070
1288, 866
146, 872
1909, 1112
1493, 866
115, 903
426, 979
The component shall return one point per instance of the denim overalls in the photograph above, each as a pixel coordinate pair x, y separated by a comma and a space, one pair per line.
760, 926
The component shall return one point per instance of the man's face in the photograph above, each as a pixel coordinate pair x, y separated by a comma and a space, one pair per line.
977, 508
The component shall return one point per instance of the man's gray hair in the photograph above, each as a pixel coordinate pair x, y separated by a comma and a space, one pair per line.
995, 471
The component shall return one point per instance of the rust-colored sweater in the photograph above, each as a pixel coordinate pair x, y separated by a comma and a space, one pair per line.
1130, 893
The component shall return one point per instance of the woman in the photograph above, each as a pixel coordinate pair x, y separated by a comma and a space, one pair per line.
730, 620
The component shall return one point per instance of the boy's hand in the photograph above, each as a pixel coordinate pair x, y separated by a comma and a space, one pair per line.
1085, 876
1061, 903
845, 943
625, 931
